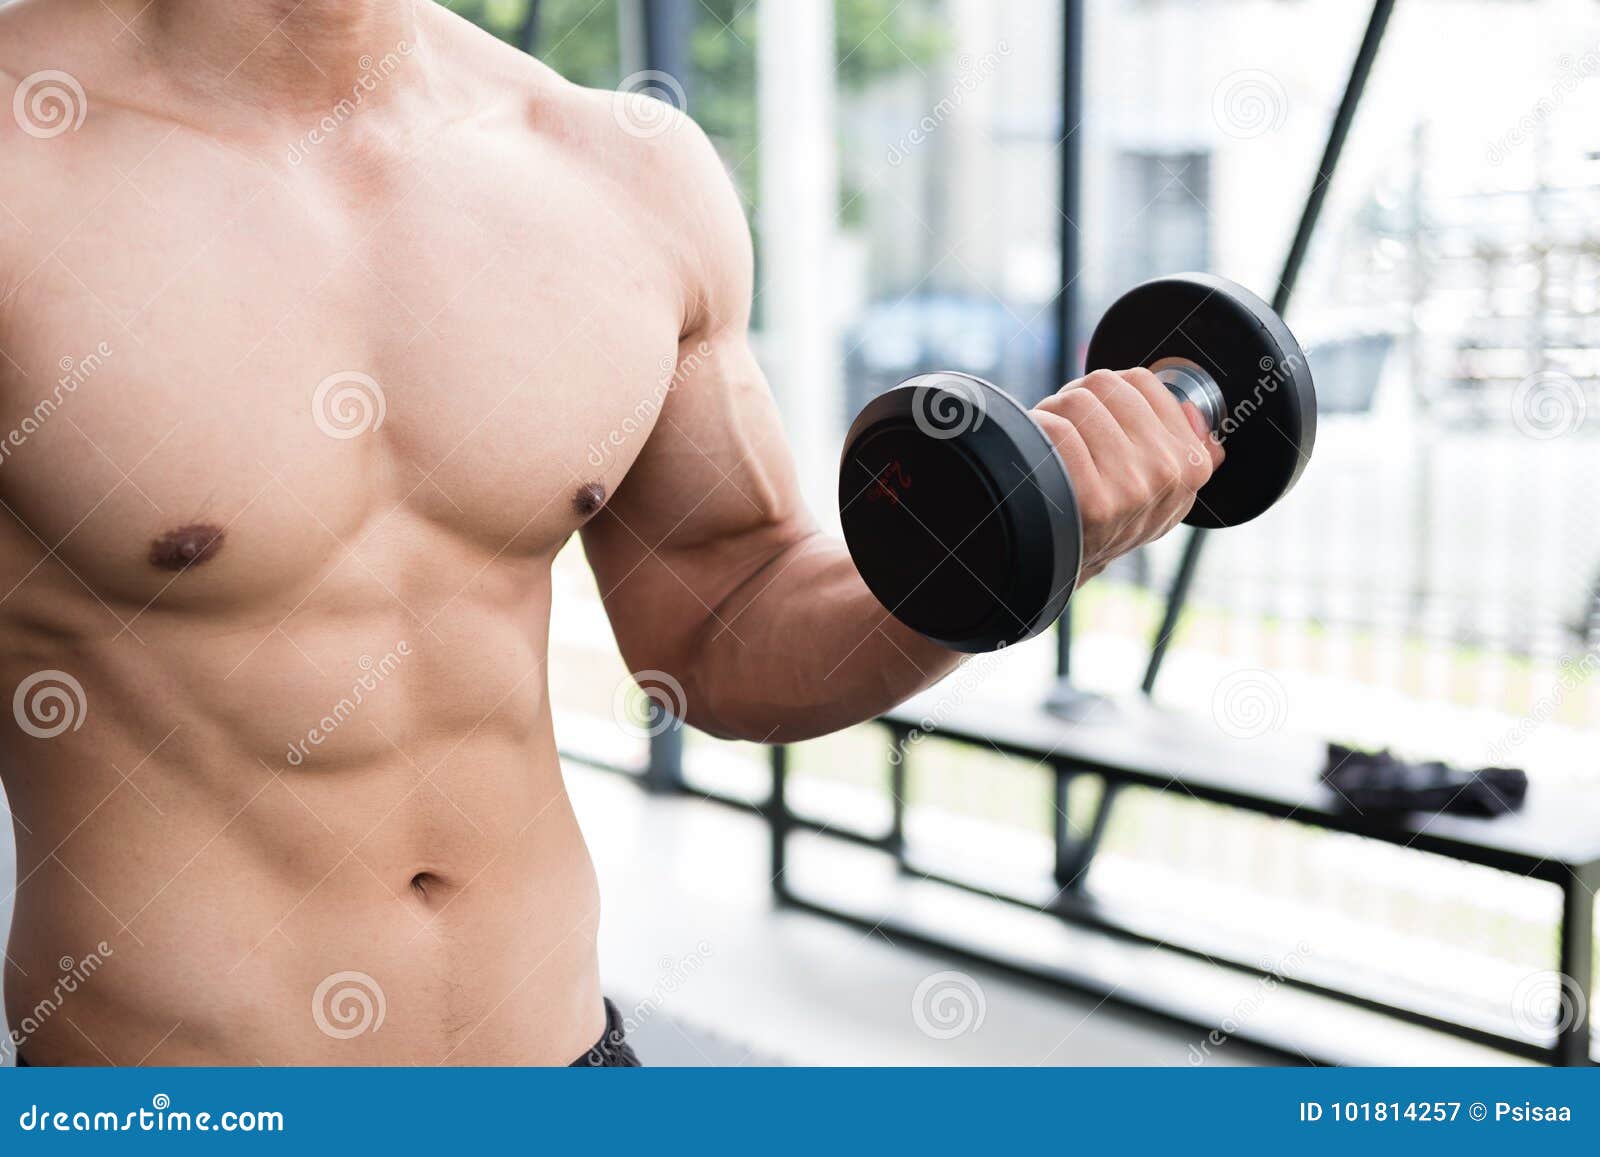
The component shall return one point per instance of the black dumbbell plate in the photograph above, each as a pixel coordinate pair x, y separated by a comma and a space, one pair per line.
1269, 401
958, 512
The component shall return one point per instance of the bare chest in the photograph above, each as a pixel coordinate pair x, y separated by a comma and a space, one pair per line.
235, 380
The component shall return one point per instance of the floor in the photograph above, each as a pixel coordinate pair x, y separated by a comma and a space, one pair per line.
694, 951
708, 971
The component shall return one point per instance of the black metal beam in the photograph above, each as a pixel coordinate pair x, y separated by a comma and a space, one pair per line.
1338, 131
1130, 997
527, 36
1574, 1041
666, 27
1069, 199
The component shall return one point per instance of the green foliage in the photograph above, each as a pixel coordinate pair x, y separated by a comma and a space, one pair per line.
580, 40
874, 39
577, 38
504, 18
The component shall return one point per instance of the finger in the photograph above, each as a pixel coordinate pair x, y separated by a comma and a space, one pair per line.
1132, 409
1208, 439
1107, 442
1072, 449
1162, 401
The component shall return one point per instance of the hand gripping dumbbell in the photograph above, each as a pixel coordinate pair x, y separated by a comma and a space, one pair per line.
959, 513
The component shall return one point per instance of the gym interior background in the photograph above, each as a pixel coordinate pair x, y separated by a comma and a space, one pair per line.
966, 184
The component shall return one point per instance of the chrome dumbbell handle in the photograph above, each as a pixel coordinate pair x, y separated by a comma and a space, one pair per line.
1189, 382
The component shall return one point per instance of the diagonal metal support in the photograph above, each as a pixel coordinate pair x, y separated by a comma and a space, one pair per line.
1338, 131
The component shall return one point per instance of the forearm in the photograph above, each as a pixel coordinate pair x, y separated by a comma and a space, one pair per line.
801, 648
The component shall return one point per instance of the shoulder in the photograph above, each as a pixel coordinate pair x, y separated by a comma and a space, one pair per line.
673, 177
634, 137
636, 150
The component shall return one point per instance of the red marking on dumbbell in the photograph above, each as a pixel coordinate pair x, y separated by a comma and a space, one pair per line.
892, 481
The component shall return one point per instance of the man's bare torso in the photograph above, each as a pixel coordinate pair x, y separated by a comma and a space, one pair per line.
317, 427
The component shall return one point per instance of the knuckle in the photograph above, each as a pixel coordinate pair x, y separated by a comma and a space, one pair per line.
1078, 405
1095, 506
1148, 384
1138, 491
1196, 468
1101, 382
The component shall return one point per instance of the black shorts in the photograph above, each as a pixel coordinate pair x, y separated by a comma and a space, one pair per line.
611, 1051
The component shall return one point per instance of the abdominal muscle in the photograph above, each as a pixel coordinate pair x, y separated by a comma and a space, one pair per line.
414, 889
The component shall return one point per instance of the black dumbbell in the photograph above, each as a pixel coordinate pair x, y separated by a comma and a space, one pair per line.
959, 513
